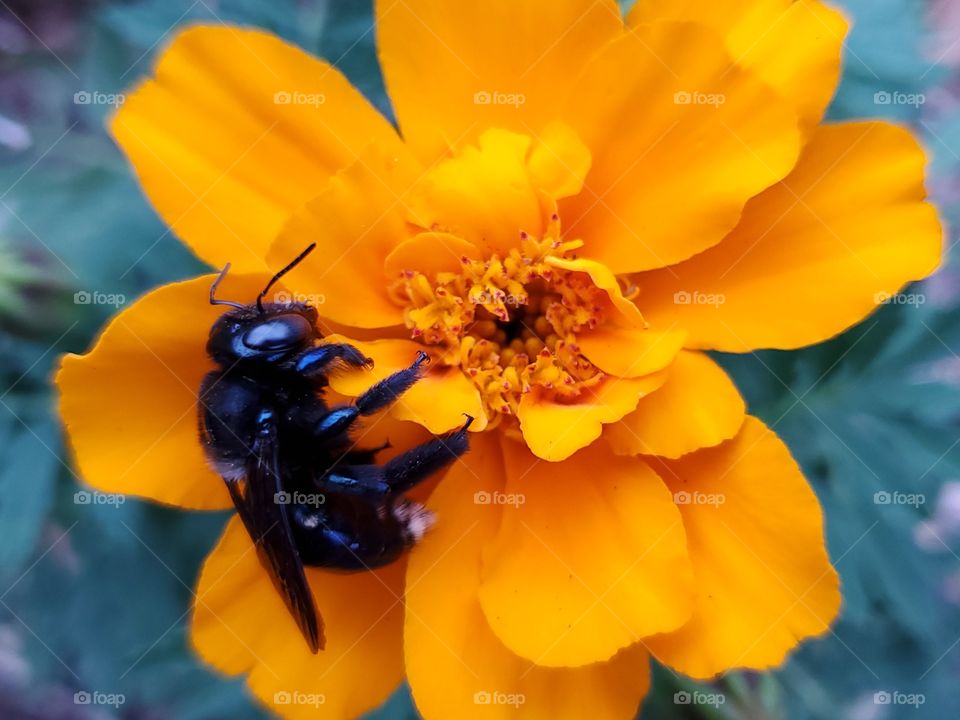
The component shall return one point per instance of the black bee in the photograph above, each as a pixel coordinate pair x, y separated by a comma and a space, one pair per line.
305, 493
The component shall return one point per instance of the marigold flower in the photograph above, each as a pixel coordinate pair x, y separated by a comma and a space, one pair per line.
576, 206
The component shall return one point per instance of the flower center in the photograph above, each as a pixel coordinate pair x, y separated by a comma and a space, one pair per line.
509, 320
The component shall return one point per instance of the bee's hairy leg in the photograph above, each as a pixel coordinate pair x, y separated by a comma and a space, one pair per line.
417, 464
317, 360
379, 396
387, 391
402, 472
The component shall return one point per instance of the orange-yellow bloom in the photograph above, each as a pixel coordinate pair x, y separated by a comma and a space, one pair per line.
575, 207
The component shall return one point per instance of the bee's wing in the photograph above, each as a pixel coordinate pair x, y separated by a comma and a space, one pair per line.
268, 523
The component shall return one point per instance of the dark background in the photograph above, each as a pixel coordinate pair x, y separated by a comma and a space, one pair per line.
95, 598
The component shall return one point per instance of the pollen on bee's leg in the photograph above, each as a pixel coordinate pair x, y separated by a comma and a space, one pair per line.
415, 519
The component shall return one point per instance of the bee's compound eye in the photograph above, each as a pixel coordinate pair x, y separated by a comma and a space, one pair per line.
278, 333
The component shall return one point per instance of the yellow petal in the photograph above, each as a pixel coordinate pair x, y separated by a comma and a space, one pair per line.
794, 46
814, 254
241, 625
589, 559
627, 313
554, 431
681, 138
437, 401
456, 666
356, 222
697, 407
559, 161
130, 404
454, 71
430, 253
235, 132
483, 195
631, 352
764, 581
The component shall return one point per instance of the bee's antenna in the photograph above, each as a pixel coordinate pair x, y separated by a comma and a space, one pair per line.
216, 284
296, 261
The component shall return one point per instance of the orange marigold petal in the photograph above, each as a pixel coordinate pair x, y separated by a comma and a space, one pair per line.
697, 407
589, 558
631, 352
236, 131
755, 532
484, 194
356, 222
813, 255
430, 253
680, 140
554, 431
456, 666
241, 625
454, 71
437, 401
795, 46
130, 404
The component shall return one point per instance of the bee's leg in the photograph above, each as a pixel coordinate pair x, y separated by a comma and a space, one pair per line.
376, 398
402, 472
419, 463
386, 392
317, 360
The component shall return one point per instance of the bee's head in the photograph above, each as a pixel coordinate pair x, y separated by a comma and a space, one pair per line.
266, 332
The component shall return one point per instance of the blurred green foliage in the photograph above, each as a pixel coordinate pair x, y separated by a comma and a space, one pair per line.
96, 597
